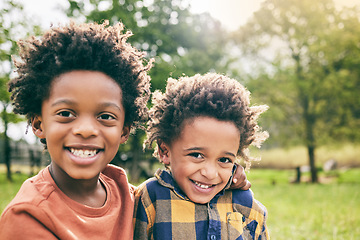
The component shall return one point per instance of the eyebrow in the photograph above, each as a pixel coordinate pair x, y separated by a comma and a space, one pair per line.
66, 101
200, 148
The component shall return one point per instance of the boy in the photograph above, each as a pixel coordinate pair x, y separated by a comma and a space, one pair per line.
82, 88
201, 125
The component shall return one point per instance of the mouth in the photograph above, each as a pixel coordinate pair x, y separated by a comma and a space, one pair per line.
84, 153
202, 185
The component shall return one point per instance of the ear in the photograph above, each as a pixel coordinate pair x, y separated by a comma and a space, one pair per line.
37, 127
125, 134
164, 152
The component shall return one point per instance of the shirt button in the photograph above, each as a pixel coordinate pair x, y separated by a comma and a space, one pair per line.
213, 237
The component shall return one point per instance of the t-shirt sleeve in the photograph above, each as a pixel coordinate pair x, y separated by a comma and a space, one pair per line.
17, 224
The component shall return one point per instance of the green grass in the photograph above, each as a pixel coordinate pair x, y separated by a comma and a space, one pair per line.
302, 211
309, 211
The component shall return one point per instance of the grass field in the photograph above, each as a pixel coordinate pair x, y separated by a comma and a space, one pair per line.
302, 211
307, 211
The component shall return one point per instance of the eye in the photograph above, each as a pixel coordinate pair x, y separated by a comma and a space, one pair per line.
196, 155
225, 160
65, 113
106, 116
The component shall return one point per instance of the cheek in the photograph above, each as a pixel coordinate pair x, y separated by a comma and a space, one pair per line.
182, 169
114, 136
225, 174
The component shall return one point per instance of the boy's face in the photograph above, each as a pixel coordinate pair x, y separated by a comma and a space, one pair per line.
83, 123
202, 158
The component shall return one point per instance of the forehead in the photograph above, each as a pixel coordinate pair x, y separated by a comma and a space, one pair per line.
85, 85
85, 80
209, 130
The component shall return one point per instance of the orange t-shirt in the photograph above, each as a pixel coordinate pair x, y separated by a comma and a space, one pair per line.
40, 210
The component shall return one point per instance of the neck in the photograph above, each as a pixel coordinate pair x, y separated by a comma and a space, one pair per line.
90, 192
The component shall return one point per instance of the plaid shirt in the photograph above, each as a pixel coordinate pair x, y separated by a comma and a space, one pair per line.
162, 211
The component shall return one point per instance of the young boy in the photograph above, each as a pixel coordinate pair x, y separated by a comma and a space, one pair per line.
82, 88
201, 125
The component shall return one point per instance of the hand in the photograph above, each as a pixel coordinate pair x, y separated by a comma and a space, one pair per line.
239, 180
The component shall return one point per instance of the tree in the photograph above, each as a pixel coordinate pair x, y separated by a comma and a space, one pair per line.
13, 25
314, 77
180, 42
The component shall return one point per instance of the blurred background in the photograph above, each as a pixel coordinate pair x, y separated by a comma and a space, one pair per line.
302, 58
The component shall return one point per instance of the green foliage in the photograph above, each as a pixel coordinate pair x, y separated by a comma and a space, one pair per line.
312, 86
13, 25
180, 42
314, 92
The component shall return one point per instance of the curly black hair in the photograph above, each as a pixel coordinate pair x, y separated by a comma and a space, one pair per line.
88, 46
210, 95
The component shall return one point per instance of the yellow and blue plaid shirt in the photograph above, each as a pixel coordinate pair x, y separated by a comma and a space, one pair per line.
162, 211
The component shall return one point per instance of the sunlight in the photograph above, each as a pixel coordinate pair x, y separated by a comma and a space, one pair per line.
231, 13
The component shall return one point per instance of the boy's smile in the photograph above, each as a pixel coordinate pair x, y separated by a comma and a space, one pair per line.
83, 123
202, 158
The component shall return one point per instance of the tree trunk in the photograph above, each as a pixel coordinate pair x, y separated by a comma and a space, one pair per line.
7, 149
311, 152
310, 141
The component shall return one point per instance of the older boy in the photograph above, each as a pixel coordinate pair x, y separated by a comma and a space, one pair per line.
82, 88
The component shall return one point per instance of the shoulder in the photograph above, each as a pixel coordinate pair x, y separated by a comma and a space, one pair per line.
114, 172
30, 203
154, 189
244, 198
148, 187
244, 201
23, 214
117, 175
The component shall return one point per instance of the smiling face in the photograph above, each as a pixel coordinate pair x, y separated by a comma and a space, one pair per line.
202, 158
83, 123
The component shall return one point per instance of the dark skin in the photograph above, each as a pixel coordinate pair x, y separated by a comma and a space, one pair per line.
239, 180
87, 192
83, 124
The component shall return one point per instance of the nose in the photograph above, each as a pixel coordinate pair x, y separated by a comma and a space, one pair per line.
86, 127
209, 170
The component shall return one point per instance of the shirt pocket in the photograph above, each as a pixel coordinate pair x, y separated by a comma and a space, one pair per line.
235, 225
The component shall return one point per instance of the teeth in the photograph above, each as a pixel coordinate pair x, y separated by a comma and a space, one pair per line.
202, 186
83, 153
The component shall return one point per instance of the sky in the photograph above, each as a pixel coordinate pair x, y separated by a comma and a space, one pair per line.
231, 13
